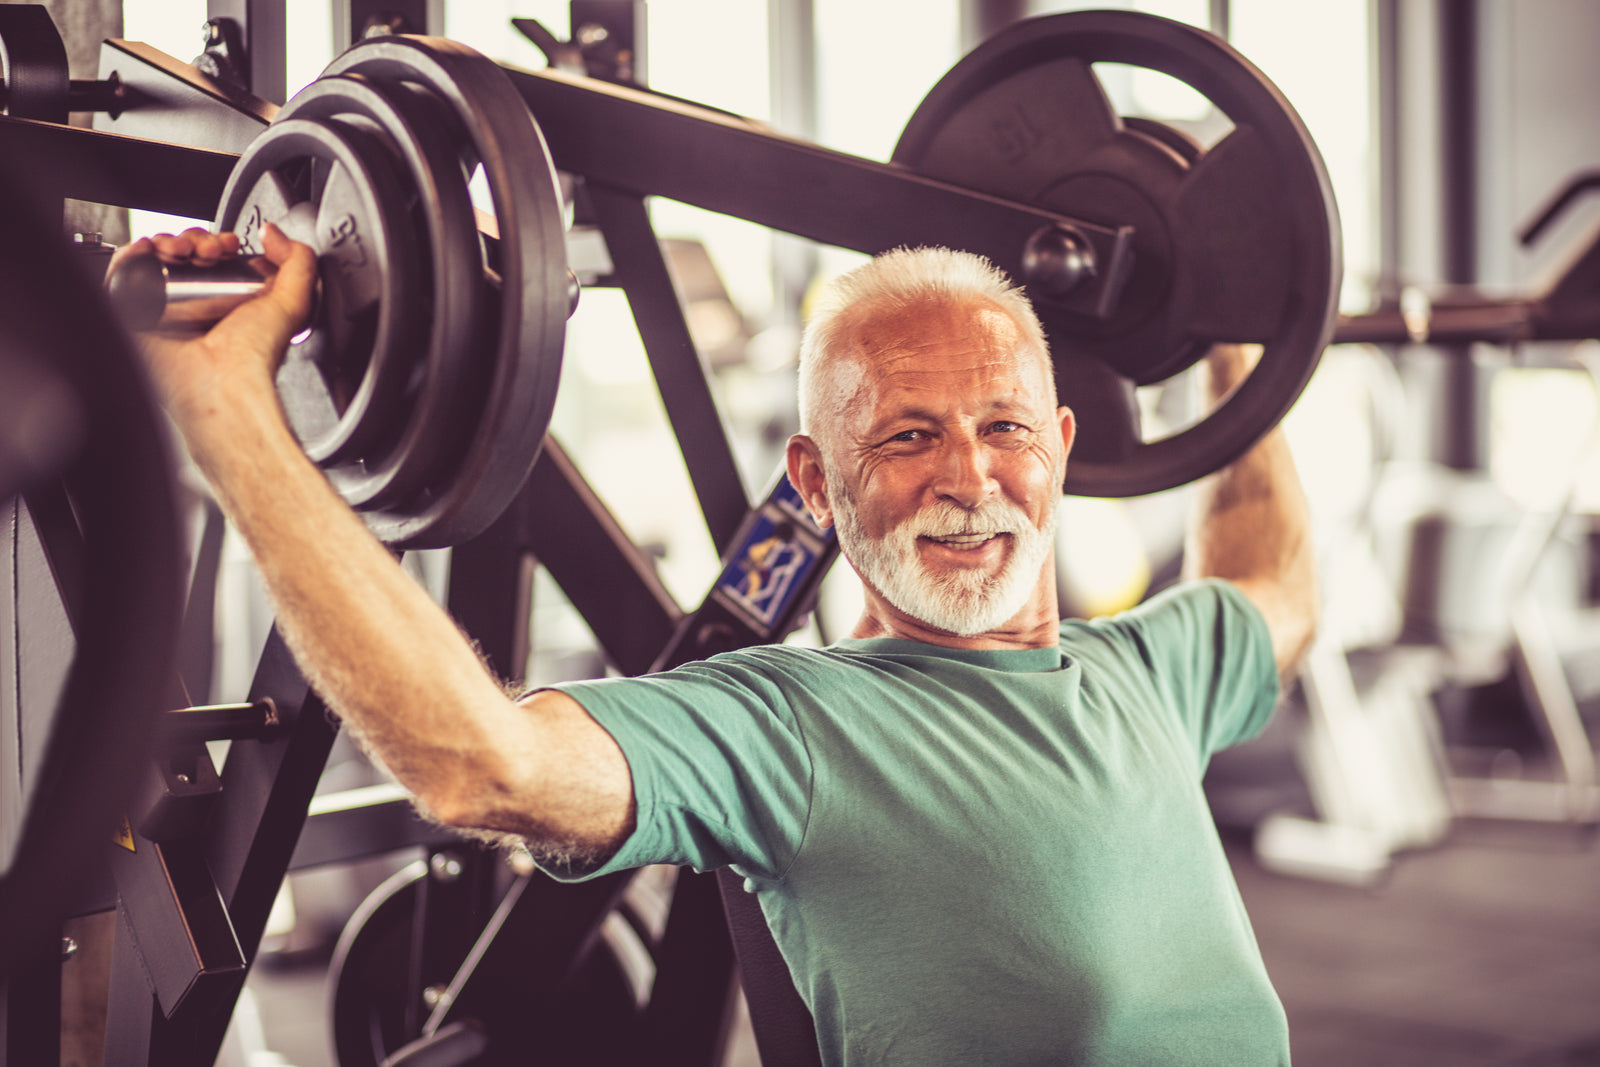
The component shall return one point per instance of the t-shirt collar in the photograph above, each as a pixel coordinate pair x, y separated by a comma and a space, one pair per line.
1016, 660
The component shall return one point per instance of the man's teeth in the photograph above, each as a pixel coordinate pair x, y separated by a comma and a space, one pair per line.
964, 540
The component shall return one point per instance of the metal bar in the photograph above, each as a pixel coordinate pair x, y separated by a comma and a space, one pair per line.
264, 24
174, 102
353, 18
640, 269
1458, 137
982, 19
354, 824
109, 168
1524, 800
792, 43
632, 141
1386, 74
84, 95
688, 1009
181, 933
1219, 18
1464, 430
197, 635
1492, 321
61, 542
266, 793
610, 582
256, 721
490, 594
1555, 709
267, 790
455, 901
539, 931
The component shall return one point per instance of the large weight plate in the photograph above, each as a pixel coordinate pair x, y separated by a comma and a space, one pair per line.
525, 281
333, 186
1235, 243
434, 391
592, 1018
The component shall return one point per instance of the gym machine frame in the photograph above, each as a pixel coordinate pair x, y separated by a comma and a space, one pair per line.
216, 893
216, 890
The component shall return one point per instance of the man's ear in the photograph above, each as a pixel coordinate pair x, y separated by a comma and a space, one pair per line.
806, 475
1069, 429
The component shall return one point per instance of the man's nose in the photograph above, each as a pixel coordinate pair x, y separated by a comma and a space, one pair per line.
963, 476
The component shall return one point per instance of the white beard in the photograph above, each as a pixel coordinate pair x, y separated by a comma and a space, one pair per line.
961, 602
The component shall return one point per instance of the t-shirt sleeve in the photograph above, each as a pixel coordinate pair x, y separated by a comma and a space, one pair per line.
1209, 654
721, 776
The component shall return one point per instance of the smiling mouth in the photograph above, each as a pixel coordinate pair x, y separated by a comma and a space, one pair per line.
963, 540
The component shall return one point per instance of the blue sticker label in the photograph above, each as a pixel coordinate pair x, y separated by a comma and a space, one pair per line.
771, 570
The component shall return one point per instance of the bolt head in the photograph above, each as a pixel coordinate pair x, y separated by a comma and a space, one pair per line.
444, 867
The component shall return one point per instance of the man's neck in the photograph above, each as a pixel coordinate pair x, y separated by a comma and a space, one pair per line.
1036, 626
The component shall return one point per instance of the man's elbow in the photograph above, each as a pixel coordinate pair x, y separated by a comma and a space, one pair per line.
479, 792
1293, 641
1292, 615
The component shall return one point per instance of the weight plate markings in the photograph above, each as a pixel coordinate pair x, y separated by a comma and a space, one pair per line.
440, 386
339, 397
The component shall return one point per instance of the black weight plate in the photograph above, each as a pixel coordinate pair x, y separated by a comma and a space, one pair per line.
33, 64
342, 385
526, 284
1239, 242
414, 125
592, 1018
79, 416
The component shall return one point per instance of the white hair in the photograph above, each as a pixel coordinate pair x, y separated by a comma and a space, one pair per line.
896, 280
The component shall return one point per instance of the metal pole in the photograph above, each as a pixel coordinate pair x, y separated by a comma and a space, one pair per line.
1462, 443
264, 26
792, 47
982, 19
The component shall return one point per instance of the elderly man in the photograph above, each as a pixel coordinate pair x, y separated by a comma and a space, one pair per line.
977, 832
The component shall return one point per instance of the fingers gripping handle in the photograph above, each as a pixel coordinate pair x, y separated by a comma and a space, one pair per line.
146, 291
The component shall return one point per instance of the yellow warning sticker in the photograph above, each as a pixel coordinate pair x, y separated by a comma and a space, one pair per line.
124, 836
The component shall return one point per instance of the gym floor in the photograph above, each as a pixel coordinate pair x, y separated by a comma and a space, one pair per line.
1481, 952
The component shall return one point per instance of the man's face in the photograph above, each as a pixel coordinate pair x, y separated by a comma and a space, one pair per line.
944, 464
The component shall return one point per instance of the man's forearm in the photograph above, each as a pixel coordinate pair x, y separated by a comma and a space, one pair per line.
1252, 525
379, 651
388, 660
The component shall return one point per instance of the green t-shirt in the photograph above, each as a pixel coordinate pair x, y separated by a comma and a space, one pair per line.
978, 857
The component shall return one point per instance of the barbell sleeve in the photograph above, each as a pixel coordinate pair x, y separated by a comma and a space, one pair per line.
143, 289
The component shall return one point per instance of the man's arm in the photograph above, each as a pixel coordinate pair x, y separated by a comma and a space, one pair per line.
1251, 525
379, 651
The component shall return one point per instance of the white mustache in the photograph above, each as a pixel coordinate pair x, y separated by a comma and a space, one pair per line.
945, 519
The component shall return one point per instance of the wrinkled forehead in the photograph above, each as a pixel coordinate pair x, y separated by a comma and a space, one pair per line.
903, 341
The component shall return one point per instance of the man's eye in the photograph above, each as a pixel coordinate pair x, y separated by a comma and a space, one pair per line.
907, 435
1005, 426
